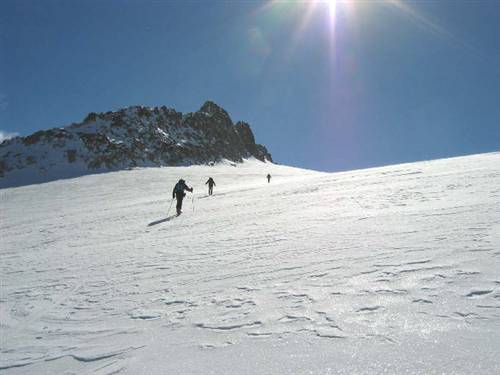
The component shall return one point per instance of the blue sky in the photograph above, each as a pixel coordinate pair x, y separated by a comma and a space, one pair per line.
360, 84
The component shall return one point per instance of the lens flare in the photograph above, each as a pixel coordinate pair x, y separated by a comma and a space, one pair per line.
419, 18
308, 7
332, 5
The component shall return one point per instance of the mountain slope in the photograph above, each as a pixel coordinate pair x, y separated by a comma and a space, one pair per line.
128, 138
390, 269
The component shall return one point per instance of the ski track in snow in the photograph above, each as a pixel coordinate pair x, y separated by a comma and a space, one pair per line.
388, 269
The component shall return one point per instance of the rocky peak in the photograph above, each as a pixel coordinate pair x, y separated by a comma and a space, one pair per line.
211, 108
130, 137
218, 117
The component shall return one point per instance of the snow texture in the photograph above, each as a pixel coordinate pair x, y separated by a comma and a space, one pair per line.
384, 270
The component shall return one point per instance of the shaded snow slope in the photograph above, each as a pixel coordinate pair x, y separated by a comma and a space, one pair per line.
393, 269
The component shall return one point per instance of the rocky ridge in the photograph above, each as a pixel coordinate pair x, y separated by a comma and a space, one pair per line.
131, 137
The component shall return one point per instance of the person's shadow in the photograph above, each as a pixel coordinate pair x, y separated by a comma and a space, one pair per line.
161, 220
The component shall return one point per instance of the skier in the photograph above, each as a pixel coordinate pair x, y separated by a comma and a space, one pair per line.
178, 193
268, 178
211, 184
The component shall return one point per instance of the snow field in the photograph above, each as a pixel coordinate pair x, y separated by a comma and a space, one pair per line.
392, 269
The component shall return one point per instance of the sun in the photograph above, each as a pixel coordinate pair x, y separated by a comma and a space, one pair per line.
336, 12
332, 7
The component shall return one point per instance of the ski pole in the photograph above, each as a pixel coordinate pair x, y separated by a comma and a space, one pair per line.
169, 207
192, 201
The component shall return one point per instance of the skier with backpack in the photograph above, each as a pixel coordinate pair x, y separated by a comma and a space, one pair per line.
179, 193
211, 184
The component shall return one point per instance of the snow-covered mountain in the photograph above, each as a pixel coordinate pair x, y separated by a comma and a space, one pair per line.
386, 270
131, 137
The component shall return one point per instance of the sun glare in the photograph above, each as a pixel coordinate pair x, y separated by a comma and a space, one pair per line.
336, 12
332, 4
332, 7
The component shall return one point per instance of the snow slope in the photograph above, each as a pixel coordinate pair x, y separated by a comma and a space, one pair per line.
385, 270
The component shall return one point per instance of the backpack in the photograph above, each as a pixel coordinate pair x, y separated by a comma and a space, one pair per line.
179, 188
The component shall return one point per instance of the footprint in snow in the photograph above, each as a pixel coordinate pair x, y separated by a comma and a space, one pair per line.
476, 293
421, 300
369, 309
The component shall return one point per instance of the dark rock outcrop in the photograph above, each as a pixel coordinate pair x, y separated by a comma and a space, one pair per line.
131, 137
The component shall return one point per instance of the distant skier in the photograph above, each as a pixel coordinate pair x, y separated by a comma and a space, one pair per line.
211, 184
268, 178
178, 193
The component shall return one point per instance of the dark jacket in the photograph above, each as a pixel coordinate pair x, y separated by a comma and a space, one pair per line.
210, 182
179, 190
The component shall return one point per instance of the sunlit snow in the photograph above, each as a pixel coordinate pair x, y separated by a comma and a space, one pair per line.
393, 269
